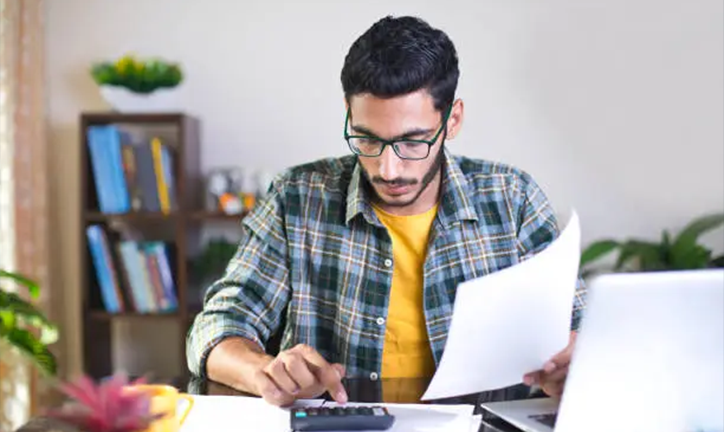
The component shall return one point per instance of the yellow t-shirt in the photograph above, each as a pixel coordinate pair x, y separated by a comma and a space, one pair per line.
407, 350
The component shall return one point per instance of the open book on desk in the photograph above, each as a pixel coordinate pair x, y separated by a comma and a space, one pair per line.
251, 414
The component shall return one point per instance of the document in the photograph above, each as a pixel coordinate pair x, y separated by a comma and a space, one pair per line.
510, 322
250, 414
238, 413
427, 418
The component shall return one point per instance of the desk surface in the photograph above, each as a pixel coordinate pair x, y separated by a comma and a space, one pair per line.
359, 390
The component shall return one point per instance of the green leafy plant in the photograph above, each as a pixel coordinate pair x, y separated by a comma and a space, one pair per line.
24, 326
138, 75
680, 252
214, 258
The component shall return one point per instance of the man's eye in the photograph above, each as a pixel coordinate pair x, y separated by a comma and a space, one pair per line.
412, 144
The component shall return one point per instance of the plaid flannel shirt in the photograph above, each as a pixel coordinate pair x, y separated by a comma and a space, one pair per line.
315, 256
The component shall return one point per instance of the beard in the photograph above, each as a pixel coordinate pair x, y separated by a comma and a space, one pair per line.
429, 176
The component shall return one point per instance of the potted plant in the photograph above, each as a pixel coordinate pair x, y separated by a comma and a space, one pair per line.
106, 406
209, 265
680, 252
24, 327
140, 85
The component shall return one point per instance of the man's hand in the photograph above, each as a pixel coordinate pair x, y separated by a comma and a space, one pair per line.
299, 373
552, 377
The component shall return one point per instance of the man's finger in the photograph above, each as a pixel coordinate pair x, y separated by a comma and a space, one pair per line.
340, 369
553, 388
562, 359
557, 375
278, 373
270, 391
299, 371
532, 378
329, 376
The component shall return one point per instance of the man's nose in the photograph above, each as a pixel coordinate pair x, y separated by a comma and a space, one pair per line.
390, 164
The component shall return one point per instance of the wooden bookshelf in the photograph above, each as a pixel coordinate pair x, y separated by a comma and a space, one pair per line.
175, 228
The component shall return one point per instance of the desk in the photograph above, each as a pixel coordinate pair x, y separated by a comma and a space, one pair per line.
359, 390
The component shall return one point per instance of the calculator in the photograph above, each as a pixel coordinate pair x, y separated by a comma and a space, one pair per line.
344, 418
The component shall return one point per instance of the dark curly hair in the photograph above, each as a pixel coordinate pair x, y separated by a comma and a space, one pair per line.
401, 55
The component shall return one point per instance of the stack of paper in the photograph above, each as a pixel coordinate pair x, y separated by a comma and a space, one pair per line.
236, 413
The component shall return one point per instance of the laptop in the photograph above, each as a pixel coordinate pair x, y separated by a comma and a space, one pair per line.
649, 357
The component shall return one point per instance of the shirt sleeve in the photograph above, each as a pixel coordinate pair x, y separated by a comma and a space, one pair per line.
537, 228
252, 294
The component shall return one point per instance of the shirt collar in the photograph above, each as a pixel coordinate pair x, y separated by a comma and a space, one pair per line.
455, 205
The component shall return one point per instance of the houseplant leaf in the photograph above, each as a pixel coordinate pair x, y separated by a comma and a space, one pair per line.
695, 257
688, 237
31, 285
27, 343
16, 311
598, 250
717, 262
647, 254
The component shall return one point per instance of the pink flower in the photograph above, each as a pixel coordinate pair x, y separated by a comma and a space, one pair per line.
109, 406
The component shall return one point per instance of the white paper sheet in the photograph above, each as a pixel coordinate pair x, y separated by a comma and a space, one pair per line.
237, 413
427, 418
510, 322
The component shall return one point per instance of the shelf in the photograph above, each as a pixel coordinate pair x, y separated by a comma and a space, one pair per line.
106, 316
95, 216
132, 216
210, 215
103, 117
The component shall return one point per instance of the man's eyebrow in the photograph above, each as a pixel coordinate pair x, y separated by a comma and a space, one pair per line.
360, 129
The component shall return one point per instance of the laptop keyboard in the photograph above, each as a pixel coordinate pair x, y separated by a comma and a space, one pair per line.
546, 419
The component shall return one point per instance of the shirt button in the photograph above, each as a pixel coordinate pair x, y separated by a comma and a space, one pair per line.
374, 376
388, 262
380, 321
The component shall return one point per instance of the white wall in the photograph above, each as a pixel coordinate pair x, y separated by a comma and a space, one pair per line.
616, 107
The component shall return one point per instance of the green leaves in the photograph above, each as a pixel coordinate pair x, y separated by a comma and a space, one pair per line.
683, 253
214, 258
139, 76
28, 344
32, 286
690, 234
21, 321
17, 312
598, 250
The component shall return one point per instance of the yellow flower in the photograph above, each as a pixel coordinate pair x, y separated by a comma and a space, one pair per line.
125, 64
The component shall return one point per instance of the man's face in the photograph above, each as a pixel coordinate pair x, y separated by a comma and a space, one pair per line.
399, 182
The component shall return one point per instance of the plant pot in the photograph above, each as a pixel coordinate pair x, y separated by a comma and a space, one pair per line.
123, 100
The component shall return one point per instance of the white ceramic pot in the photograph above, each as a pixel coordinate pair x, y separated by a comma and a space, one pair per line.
124, 100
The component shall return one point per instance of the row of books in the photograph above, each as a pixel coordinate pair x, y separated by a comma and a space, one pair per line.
131, 173
133, 276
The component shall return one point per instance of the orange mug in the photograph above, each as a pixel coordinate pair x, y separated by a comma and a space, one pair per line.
164, 401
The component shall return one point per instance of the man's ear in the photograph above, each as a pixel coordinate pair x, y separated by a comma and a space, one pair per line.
455, 120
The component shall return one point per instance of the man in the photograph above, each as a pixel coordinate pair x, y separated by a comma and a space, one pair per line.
360, 256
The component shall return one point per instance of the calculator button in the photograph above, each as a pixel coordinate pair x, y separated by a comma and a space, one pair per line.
300, 414
378, 411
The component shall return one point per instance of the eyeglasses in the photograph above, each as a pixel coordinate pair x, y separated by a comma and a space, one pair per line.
405, 148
